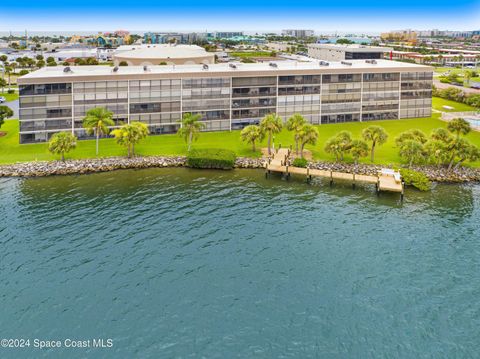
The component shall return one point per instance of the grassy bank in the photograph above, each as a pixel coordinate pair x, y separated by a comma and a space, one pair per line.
11, 151
438, 103
9, 96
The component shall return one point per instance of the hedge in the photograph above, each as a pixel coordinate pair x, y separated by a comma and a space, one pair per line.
416, 179
211, 158
300, 162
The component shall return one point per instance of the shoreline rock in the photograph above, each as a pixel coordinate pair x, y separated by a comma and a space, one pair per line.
85, 166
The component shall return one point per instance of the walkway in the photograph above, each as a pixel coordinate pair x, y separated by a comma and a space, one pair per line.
388, 180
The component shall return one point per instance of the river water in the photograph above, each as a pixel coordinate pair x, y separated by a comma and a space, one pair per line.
178, 263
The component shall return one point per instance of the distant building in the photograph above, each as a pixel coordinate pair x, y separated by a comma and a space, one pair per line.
298, 33
400, 36
225, 35
173, 37
340, 52
157, 54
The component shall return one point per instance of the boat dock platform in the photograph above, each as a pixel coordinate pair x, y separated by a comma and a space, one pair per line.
387, 180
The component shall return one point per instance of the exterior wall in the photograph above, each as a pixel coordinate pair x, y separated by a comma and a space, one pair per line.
339, 54
132, 61
225, 102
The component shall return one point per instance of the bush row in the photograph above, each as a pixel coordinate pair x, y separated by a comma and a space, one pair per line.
211, 158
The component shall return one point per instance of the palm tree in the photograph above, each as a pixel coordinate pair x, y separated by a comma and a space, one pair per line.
334, 146
190, 128
345, 139
295, 124
358, 148
413, 134
8, 71
251, 134
270, 125
61, 143
376, 135
130, 134
459, 126
97, 122
412, 151
308, 134
437, 150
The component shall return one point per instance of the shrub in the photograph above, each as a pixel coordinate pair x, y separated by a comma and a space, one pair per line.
300, 162
11, 91
211, 158
416, 179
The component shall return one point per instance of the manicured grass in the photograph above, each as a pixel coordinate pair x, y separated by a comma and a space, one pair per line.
438, 103
9, 96
11, 151
243, 54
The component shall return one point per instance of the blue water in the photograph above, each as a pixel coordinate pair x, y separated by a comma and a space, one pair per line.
175, 263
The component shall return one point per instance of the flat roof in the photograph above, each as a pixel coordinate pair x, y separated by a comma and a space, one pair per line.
90, 73
146, 51
350, 47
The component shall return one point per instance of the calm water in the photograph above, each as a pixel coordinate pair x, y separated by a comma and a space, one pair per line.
179, 263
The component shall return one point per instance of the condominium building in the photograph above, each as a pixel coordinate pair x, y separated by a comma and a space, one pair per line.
300, 33
227, 96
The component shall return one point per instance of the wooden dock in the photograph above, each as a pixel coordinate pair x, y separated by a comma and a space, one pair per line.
387, 180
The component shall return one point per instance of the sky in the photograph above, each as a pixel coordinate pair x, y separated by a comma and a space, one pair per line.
245, 15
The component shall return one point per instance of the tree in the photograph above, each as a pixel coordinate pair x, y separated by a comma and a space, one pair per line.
308, 135
97, 122
459, 126
437, 151
8, 71
130, 134
333, 146
190, 128
251, 134
295, 124
412, 151
3, 84
123, 63
270, 125
358, 148
414, 135
61, 143
5, 112
345, 140
377, 136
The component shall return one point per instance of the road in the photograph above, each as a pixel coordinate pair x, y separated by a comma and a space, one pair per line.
468, 90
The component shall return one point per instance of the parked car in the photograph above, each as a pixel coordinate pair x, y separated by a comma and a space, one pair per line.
2, 99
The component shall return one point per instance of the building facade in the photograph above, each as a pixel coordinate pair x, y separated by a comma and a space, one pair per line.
340, 52
227, 96
300, 33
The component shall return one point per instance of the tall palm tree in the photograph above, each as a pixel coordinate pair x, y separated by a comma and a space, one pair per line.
334, 146
376, 135
295, 124
270, 125
61, 143
308, 134
97, 122
190, 128
251, 134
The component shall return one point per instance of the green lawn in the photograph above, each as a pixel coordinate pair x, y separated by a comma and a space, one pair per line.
11, 151
243, 54
9, 96
438, 103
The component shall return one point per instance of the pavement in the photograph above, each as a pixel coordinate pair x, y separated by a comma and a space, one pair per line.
440, 85
14, 106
